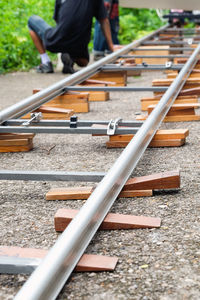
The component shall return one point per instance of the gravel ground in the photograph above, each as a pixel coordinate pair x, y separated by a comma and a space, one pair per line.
153, 263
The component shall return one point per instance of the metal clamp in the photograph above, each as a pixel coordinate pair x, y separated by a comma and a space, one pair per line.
144, 64
73, 122
112, 126
168, 64
190, 41
35, 118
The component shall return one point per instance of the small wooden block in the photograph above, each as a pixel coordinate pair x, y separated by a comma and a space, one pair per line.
17, 148
75, 102
71, 193
98, 95
111, 222
93, 82
153, 144
162, 138
160, 181
50, 112
145, 102
87, 263
194, 74
193, 91
186, 118
14, 142
178, 109
162, 134
18, 136
120, 78
151, 50
168, 81
11, 142
83, 193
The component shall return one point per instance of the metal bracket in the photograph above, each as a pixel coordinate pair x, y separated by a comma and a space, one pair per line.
144, 64
35, 118
168, 64
190, 41
73, 122
112, 126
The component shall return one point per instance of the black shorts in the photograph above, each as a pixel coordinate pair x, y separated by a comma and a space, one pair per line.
39, 26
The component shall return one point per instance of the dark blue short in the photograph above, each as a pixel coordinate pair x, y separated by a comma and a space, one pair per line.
38, 25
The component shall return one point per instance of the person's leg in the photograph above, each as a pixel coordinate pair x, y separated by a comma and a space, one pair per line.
99, 43
37, 42
37, 27
81, 62
72, 57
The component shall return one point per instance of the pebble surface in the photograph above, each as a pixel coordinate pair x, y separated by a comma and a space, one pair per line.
153, 263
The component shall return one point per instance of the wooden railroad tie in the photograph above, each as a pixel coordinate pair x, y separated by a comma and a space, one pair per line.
194, 74
134, 187
98, 95
111, 222
146, 101
118, 77
178, 60
16, 142
177, 113
162, 138
52, 113
87, 263
192, 82
151, 50
72, 101
129, 62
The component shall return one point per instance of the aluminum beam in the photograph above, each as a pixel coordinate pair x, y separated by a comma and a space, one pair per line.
18, 265
51, 176
116, 88
64, 130
143, 67
156, 56
48, 279
66, 123
161, 49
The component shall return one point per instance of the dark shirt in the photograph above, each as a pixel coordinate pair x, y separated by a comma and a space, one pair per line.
74, 23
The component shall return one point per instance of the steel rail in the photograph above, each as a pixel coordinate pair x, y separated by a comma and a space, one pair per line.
51, 176
66, 123
36, 100
116, 88
65, 130
144, 67
161, 49
169, 43
51, 275
155, 56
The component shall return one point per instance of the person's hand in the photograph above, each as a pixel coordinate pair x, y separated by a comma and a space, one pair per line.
118, 47
107, 5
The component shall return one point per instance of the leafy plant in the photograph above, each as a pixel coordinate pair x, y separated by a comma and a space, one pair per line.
17, 51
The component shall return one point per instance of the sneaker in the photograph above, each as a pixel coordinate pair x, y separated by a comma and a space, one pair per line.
45, 68
68, 64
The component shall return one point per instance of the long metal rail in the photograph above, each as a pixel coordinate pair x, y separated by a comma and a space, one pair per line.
31, 103
48, 279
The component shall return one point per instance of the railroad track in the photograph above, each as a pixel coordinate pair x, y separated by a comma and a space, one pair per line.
59, 261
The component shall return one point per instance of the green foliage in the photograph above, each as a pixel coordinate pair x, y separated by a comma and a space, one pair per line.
17, 51
135, 23
16, 48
